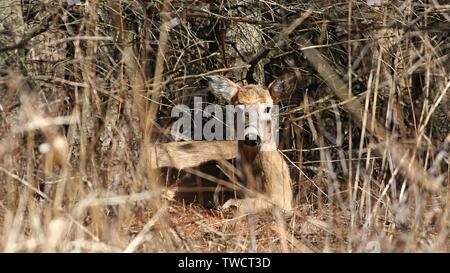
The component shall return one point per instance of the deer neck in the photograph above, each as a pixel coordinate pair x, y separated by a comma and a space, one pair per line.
274, 174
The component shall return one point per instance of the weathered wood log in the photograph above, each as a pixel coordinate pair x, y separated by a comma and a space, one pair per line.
186, 154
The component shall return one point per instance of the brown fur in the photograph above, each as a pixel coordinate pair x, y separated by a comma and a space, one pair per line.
268, 167
266, 172
252, 94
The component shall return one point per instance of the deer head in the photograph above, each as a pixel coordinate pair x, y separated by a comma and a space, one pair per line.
257, 103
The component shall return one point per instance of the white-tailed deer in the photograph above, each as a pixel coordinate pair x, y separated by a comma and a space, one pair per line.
263, 167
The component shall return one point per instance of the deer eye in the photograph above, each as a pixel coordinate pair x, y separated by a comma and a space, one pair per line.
267, 110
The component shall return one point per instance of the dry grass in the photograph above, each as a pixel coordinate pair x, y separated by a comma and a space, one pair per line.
86, 91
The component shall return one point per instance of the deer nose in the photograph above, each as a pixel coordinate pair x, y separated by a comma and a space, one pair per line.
252, 139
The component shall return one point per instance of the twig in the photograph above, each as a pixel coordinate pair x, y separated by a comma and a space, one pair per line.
276, 42
46, 198
411, 168
141, 236
42, 27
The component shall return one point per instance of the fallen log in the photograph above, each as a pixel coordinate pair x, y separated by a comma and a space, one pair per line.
186, 154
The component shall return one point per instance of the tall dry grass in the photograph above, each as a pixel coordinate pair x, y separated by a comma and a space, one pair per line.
86, 91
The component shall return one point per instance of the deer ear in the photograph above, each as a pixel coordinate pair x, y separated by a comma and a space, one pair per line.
283, 86
222, 87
